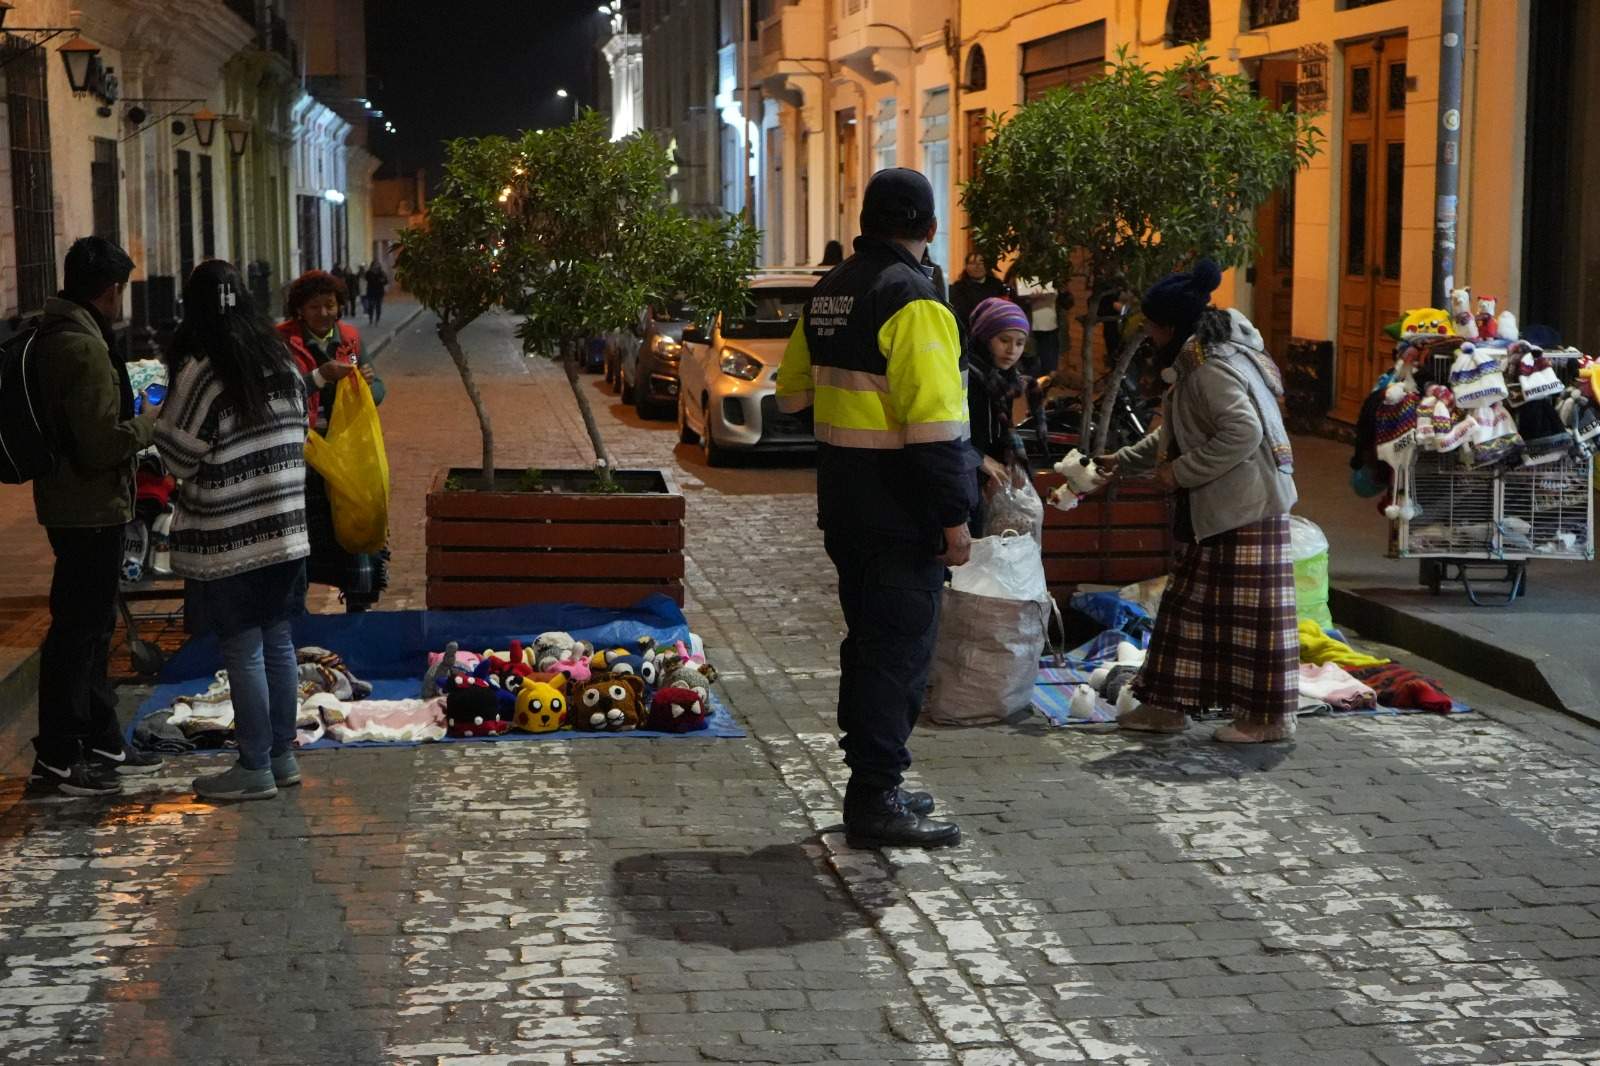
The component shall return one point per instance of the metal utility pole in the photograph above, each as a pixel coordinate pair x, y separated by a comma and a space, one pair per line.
1447, 164
749, 138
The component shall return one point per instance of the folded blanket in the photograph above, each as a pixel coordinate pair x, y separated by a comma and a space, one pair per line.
1402, 687
1319, 648
379, 720
1329, 683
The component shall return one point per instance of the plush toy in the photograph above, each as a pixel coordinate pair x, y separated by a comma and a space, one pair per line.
541, 706
628, 664
1426, 320
1466, 325
472, 708
1487, 306
1081, 476
679, 659
678, 710
1505, 327
516, 660
696, 678
615, 705
442, 666
1396, 444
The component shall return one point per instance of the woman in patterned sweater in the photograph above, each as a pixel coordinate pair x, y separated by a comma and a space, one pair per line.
233, 430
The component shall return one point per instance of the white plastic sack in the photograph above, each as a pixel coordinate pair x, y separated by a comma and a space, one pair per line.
1015, 508
1007, 567
1306, 539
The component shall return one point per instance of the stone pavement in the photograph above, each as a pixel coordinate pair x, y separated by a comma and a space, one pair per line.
1388, 892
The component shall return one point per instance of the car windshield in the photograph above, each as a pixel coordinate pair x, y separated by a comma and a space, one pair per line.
773, 313
673, 311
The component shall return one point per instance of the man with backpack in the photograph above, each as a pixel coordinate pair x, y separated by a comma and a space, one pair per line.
83, 502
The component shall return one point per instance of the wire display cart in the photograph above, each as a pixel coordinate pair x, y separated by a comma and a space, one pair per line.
1487, 522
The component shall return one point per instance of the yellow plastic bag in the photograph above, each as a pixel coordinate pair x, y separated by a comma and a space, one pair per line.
352, 460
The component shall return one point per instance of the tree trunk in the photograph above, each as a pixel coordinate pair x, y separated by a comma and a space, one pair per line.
1130, 346
1086, 421
569, 360
450, 335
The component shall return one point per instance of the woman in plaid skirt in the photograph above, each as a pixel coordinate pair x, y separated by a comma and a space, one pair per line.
1226, 635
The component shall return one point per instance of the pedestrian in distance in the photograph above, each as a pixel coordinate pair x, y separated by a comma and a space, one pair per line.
832, 254
876, 354
234, 431
1226, 633
326, 351
377, 282
998, 333
83, 505
976, 284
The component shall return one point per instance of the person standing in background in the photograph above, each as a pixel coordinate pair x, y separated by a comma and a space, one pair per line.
377, 282
1040, 300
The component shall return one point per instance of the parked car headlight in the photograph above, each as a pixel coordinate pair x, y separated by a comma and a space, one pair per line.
669, 351
741, 366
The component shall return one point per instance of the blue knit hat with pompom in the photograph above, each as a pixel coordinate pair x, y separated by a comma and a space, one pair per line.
1177, 299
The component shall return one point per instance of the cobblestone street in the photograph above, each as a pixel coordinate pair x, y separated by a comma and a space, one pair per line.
1389, 892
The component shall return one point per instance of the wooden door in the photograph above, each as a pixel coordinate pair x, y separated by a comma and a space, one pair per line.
1372, 189
977, 137
849, 176
1274, 266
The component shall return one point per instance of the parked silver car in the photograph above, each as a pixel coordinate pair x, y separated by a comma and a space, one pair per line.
727, 398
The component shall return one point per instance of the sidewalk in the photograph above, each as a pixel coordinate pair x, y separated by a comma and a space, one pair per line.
1537, 647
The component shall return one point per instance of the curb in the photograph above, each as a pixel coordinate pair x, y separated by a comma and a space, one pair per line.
1480, 660
393, 333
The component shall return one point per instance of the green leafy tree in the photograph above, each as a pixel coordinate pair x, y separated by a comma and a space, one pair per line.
574, 232
1126, 178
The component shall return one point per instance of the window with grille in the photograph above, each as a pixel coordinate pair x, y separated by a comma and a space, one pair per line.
33, 206
208, 211
977, 70
935, 141
1188, 21
1069, 58
185, 185
104, 188
1263, 13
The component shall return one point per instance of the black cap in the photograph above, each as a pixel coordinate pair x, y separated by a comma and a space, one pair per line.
896, 199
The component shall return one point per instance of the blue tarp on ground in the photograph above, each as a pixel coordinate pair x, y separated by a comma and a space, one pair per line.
390, 650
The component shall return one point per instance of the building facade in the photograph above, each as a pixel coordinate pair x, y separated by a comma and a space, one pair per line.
195, 134
842, 88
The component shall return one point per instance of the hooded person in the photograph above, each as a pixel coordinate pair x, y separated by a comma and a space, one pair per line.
1227, 633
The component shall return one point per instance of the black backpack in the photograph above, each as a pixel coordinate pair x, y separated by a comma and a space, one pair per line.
26, 451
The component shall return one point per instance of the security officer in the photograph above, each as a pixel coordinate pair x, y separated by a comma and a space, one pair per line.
877, 357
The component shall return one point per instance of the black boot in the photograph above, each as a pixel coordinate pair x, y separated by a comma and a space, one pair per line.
917, 802
881, 820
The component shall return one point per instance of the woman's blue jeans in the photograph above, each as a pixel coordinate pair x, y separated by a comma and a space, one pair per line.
264, 680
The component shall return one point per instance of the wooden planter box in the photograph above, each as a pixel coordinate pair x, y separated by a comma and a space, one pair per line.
1115, 537
503, 547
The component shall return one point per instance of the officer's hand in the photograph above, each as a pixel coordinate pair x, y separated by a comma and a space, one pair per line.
957, 546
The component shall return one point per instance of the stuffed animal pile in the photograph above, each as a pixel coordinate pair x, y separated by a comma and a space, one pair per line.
560, 683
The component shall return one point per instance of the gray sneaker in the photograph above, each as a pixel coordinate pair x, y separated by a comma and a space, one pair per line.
285, 769
236, 783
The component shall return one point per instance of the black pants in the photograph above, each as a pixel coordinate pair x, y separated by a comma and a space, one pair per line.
77, 706
374, 308
890, 593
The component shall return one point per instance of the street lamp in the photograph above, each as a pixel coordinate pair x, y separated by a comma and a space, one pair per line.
238, 131
562, 94
79, 56
205, 126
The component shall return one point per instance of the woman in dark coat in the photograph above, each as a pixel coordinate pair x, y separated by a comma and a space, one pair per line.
998, 332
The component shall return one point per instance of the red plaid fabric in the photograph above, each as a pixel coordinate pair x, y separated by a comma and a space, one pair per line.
1227, 634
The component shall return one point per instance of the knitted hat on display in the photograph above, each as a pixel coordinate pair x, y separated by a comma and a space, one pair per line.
1579, 416
1539, 381
1440, 428
1177, 299
1544, 438
1494, 436
1475, 378
1397, 426
994, 316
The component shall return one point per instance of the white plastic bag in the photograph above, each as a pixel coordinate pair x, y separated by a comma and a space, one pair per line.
1007, 567
1015, 508
1306, 539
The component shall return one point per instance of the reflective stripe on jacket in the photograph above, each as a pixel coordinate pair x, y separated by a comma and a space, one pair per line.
877, 356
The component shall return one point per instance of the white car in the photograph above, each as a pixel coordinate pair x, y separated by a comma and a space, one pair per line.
728, 395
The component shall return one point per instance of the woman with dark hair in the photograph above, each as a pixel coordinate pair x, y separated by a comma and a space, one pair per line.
1227, 632
233, 430
327, 350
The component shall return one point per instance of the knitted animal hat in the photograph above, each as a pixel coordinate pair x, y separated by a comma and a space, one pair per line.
1397, 426
994, 316
1475, 378
1539, 381
1494, 436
